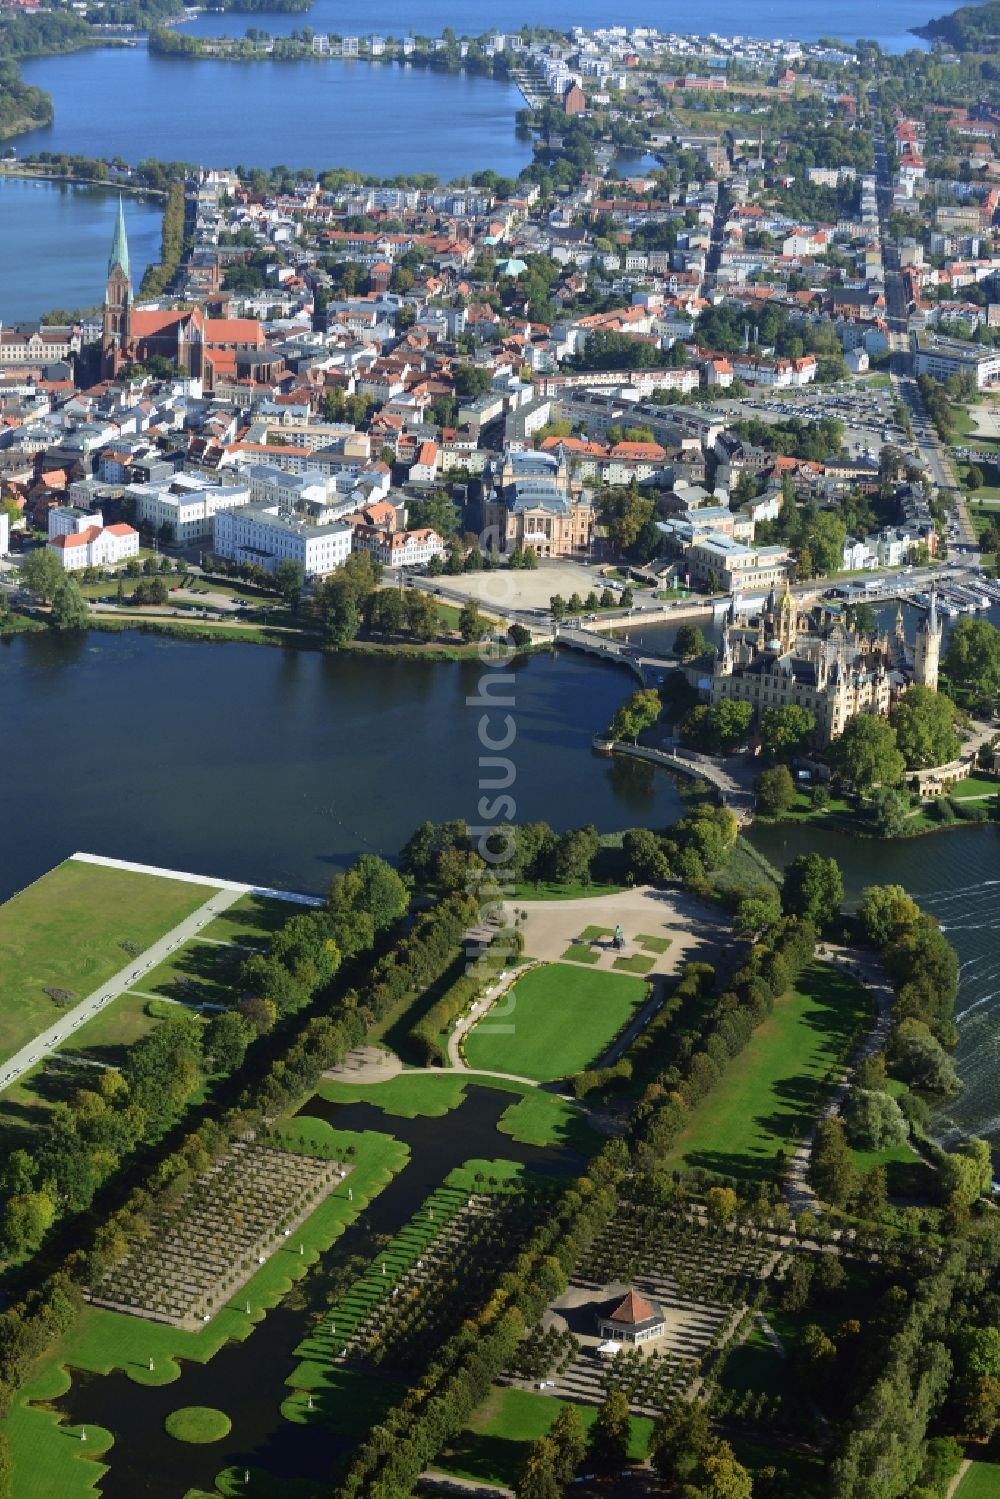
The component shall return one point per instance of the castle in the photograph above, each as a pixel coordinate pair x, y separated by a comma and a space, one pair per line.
781, 656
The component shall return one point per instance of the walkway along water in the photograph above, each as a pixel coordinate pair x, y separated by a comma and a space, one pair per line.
248, 1380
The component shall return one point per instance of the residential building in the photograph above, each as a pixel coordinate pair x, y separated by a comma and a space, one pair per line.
266, 536
95, 546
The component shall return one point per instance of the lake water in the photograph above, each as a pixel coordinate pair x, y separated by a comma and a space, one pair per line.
54, 244
886, 21
380, 119
281, 766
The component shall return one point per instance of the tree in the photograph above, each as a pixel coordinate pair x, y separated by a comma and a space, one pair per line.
338, 607
775, 790
645, 858
538, 1478
680, 1440
924, 722
574, 855
718, 729
920, 1058
227, 1037
70, 610
471, 624
422, 619
874, 1120
721, 1203
974, 477
967, 1173
891, 811
557, 606
639, 712
757, 912
785, 731
372, 887
972, 659
723, 1477
866, 754
885, 911
42, 573
690, 642
289, 578
813, 887
570, 1440
831, 1168
609, 1435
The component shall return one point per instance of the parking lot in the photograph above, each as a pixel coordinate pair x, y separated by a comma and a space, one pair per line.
866, 410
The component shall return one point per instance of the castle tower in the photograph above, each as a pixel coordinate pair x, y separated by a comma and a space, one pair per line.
116, 330
786, 619
927, 650
900, 631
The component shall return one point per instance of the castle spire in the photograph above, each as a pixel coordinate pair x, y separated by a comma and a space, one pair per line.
119, 245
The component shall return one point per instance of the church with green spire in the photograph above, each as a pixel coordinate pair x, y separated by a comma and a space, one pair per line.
116, 329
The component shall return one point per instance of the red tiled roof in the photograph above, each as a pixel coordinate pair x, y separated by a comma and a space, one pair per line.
633, 1310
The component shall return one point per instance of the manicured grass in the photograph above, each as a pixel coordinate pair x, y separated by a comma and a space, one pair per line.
654, 944
981, 1481
637, 963
66, 931
756, 1366
906, 1174
579, 952
493, 1446
806, 1472
561, 1019
251, 922
197, 973
974, 786
120, 1025
595, 933
199, 1424
548, 890
771, 1091
537, 1118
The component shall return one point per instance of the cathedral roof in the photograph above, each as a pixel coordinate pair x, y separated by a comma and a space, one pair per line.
119, 245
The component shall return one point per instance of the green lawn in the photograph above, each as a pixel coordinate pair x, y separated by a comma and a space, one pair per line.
595, 933
251, 921
637, 963
121, 1025
66, 930
974, 786
658, 945
755, 1365
770, 1092
537, 1118
560, 1020
548, 890
493, 1446
580, 952
197, 973
981, 1481
906, 1174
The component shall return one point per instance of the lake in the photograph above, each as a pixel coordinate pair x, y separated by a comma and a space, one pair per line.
886, 21
54, 244
380, 119
281, 766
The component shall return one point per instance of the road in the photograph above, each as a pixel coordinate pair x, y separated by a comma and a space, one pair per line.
50, 1040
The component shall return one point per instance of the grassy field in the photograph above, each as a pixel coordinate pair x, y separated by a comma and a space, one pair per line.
536, 1118
197, 973
548, 890
49, 1461
562, 1018
250, 922
975, 786
981, 1481
755, 1365
66, 932
770, 1092
493, 1446
116, 1028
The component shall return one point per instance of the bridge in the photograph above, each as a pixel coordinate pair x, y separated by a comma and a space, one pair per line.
738, 798
649, 667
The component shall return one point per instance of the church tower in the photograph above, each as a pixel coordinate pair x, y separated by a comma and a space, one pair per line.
927, 649
116, 331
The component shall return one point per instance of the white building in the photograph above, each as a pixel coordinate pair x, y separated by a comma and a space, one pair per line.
398, 548
264, 535
187, 505
68, 520
95, 546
